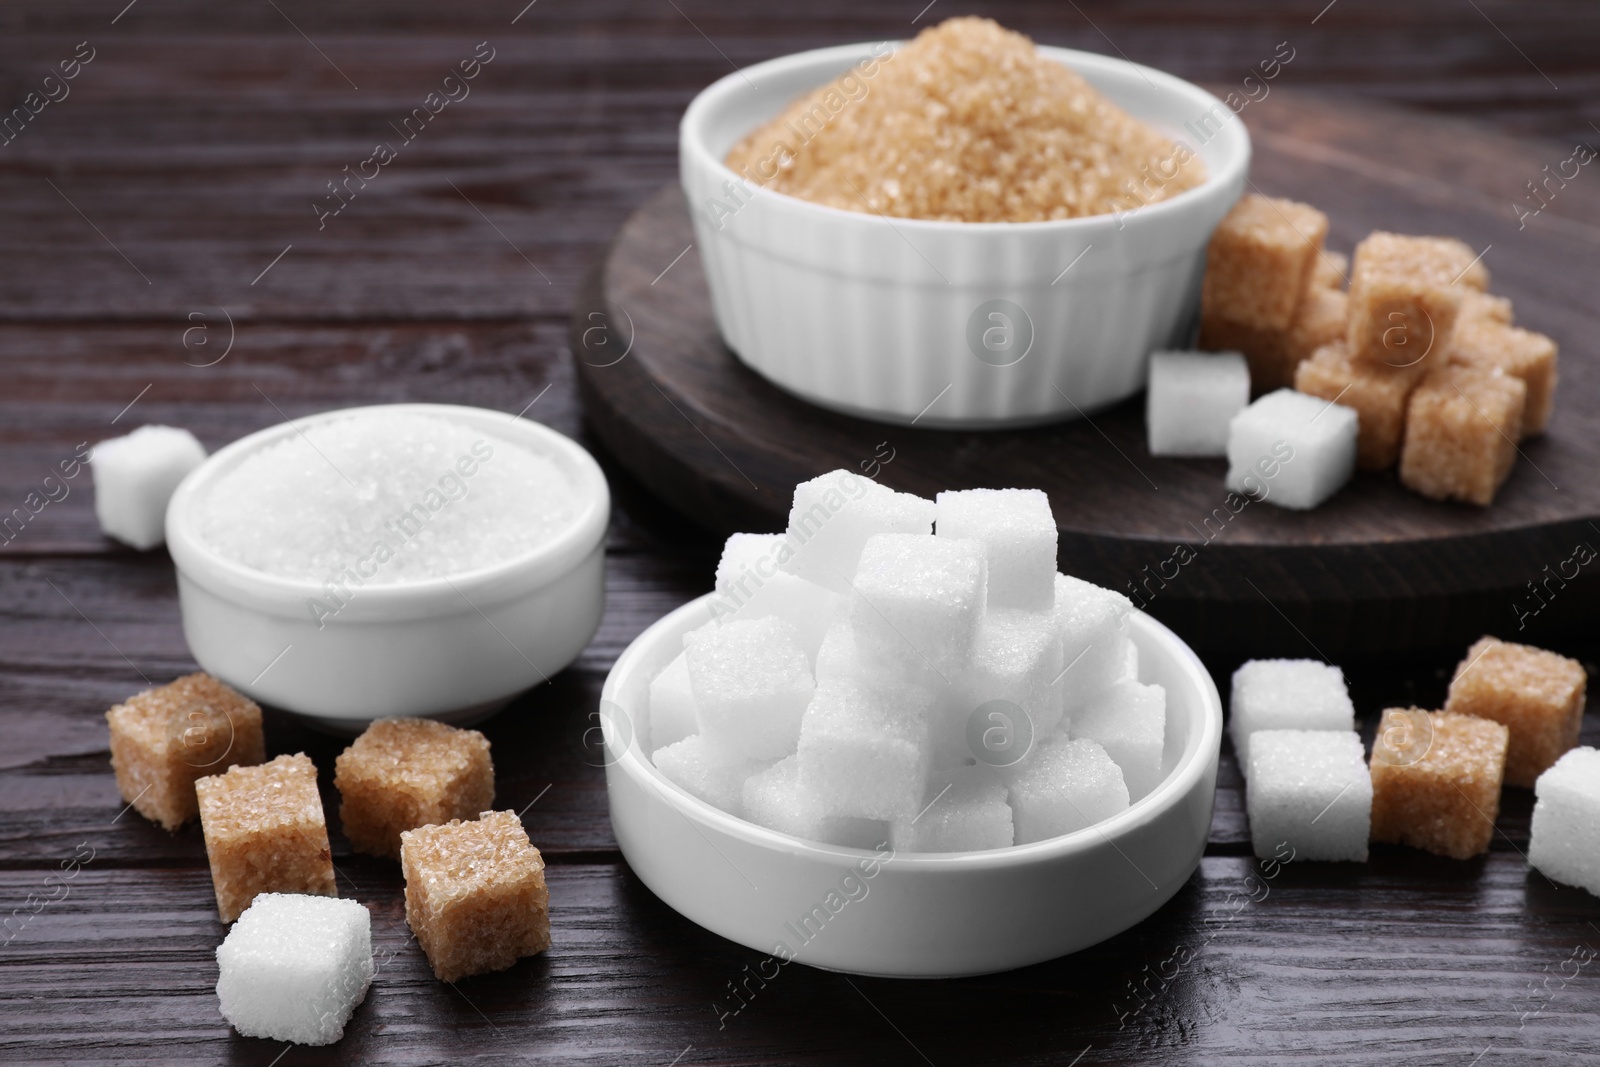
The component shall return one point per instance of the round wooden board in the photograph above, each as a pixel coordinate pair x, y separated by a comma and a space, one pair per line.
1375, 570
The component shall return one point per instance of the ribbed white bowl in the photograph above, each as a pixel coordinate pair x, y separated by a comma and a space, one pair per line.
884, 318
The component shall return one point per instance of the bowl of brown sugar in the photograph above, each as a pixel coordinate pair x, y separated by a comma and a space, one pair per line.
964, 230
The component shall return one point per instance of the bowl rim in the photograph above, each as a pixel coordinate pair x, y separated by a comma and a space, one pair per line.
1169, 794
204, 564
693, 133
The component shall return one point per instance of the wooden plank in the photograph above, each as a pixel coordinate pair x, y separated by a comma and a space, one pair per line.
564, 131
1336, 964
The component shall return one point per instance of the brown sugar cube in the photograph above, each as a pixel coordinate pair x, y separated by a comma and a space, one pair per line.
1330, 270
1319, 320
475, 894
265, 833
1436, 781
1522, 354
405, 773
1537, 695
163, 739
1462, 424
1466, 265
1274, 355
1258, 261
1378, 394
1266, 351
1483, 307
1404, 298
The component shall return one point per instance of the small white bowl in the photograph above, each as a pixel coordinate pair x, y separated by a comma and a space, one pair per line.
912, 915
454, 649
893, 319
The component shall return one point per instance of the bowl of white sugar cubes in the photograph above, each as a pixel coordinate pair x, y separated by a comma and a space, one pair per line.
406, 559
896, 741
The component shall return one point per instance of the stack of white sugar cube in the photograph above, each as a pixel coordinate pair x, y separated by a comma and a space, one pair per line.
294, 967
1286, 694
1307, 784
898, 669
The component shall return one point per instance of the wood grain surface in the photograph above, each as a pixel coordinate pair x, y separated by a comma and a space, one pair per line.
195, 143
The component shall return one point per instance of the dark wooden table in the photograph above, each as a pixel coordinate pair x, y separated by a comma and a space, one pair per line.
163, 262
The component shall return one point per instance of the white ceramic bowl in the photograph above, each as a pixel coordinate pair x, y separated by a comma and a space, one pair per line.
893, 319
454, 648
913, 915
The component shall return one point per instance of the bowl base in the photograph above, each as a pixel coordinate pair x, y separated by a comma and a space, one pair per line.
340, 727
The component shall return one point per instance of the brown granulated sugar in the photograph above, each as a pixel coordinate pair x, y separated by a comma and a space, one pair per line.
967, 123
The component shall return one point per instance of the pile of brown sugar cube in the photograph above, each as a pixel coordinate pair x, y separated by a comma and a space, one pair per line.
1441, 381
414, 790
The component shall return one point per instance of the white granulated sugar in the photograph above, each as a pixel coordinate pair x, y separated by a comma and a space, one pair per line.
390, 497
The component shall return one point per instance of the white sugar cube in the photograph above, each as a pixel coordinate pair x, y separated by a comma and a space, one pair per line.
865, 752
1130, 661
751, 682
918, 597
1566, 820
1129, 721
752, 585
843, 657
708, 772
837, 659
1094, 629
1286, 694
776, 799
1018, 532
1063, 786
1291, 449
1191, 399
748, 559
1309, 789
1016, 657
134, 478
671, 704
294, 967
965, 811
833, 516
